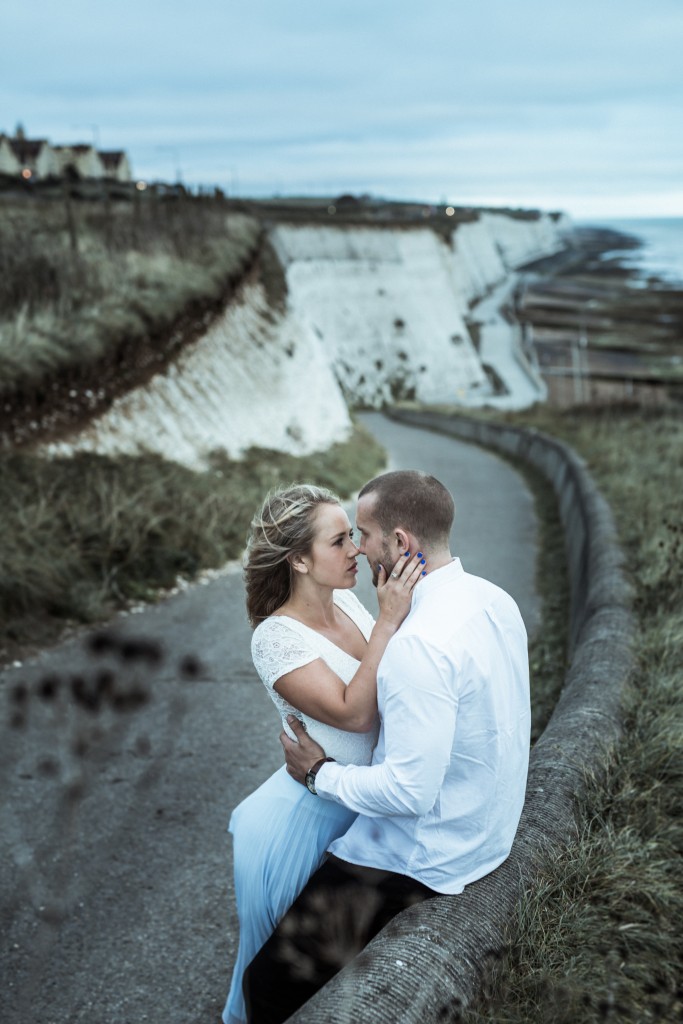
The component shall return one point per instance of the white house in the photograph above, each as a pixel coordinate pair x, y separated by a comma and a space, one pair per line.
79, 161
33, 159
116, 165
8, 161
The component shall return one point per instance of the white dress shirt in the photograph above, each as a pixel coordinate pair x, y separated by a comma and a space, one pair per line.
442, 798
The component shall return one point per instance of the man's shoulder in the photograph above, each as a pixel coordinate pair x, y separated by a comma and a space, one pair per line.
449, 610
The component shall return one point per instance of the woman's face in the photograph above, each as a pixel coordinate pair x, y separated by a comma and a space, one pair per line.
331, 561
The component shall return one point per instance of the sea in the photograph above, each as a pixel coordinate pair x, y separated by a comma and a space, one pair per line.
661, 252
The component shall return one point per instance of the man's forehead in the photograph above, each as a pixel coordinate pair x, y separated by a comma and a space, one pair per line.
365, 509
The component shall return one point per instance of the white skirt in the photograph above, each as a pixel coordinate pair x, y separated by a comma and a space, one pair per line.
280, 835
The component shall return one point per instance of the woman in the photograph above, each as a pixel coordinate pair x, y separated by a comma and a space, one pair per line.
316, 649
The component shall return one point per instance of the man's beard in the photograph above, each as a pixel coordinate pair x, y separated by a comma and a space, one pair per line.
387, 560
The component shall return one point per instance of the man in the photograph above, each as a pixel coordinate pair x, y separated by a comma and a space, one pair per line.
439, 806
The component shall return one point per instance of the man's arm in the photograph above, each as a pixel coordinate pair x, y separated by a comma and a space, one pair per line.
419, 712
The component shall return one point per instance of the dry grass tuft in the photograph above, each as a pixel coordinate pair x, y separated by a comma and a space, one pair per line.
78, 281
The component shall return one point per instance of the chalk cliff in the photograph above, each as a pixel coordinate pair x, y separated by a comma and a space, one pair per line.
257, 377
390, 304
373, 314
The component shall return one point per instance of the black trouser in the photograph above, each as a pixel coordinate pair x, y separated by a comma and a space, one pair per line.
341, 908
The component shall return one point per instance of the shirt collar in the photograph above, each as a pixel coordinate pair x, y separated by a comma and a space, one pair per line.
445, 574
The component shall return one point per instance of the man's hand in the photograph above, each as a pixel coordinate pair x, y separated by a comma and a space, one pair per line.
302, 755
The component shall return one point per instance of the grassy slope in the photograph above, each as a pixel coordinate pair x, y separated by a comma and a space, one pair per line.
601, 937
82, 536
77, 282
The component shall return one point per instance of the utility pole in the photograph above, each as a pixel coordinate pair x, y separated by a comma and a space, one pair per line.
576, 372
583, 355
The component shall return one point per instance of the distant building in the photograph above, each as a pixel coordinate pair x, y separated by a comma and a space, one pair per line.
8, 161
79, 161
36, 159
28, 158
116, 165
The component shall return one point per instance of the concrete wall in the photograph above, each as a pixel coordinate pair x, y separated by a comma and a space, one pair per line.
435, 957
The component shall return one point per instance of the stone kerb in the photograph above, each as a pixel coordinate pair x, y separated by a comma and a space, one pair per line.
434, 959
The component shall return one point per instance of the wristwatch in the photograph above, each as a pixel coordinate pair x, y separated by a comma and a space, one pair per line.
312, 772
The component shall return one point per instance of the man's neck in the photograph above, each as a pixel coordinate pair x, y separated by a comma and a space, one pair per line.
437, 559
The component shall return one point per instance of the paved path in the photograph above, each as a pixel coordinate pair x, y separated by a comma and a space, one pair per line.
499, 347
114, 861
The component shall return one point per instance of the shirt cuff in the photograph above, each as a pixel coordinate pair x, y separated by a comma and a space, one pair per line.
327, 780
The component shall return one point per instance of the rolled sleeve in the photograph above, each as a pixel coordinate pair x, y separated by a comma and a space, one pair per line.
418, 707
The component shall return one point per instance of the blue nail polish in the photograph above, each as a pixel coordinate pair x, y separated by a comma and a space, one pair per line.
422, 562
424, 572
407, 553
419, 554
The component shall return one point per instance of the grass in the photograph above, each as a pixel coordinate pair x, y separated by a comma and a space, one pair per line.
80, 281
599, 937
83, 536
548, 649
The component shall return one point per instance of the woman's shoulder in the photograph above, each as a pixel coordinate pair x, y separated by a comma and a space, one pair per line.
266, 625
278, 647
275, 627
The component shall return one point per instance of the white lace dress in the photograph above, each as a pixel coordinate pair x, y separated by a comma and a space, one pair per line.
281, 832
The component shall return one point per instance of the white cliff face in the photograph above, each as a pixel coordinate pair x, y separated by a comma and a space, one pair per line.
381, 301
487, 250
520, 240
390, 304
374, 314
255, 378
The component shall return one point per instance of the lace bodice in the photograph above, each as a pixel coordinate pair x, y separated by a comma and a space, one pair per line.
281, 644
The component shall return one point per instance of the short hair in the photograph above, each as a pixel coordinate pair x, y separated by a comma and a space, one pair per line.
413, 500
283, 526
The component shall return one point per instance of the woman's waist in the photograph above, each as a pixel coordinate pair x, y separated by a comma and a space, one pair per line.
345, 747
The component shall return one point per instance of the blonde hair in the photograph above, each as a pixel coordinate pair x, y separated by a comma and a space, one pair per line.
283, 526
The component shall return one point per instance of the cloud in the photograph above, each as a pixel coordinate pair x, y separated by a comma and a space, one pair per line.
435, 99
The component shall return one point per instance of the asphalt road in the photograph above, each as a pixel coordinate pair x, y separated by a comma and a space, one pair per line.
115, 866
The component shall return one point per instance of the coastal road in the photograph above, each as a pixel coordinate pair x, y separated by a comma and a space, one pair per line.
115, 866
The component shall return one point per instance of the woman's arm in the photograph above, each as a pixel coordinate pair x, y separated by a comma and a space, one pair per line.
318, 692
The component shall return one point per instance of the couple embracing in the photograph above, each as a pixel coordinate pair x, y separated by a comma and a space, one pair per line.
406, 738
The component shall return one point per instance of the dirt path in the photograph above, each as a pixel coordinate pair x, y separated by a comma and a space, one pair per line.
115, 864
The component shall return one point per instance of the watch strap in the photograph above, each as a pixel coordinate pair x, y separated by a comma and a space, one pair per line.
313, 771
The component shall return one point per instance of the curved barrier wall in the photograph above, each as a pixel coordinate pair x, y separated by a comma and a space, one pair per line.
435, 957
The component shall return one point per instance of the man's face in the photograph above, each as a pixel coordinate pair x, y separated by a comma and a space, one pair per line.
376, 546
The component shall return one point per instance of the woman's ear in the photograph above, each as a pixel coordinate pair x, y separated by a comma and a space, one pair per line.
297, 563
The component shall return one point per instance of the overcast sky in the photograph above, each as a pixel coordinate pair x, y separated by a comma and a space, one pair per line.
562, 104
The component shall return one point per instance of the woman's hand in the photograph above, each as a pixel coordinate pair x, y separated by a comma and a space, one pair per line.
395, 589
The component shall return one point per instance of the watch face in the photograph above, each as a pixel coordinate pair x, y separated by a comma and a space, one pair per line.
310, 783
